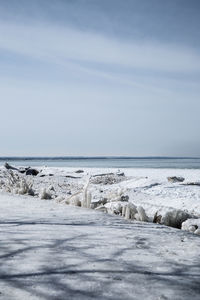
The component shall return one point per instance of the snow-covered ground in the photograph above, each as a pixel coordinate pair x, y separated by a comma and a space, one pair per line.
146, 188
51, 251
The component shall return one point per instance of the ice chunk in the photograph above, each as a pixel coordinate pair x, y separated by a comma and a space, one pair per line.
45, 194
174, 218
142, 215
197, 231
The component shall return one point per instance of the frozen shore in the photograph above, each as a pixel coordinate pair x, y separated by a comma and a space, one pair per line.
136, 194
51, 249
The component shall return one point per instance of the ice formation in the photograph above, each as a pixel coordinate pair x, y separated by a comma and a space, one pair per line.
138, 197
45, 195
192, 225
175, 218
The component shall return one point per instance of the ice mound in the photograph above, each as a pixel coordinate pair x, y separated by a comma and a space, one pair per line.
174, 218
192, 225
107, 179
16, 184
81, 198
45, 194
127, 211
175, 179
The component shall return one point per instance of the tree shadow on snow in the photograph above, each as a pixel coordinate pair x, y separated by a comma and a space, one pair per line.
84, 266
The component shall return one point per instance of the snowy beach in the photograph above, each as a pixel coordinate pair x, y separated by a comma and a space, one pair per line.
102, 249
161, 192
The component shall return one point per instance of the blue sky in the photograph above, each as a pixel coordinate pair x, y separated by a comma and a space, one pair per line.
100, 77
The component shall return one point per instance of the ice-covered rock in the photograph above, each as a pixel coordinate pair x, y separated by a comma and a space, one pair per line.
157, 218
44, 194
59, 199
32, 172
85, 201
137, 217
112, 196
191, 225
24, 187
197, 231
31, 192
142, 215
192, 228
175, 179
130, 211
101, 201
89, 199
101, 208
124, 210
133, 209
51, 188
75, 201
118, 198
127, 213
124, 198
114, 208
174, 218
107, 179
79, 171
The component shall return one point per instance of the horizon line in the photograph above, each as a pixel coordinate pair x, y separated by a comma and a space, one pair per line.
93, 157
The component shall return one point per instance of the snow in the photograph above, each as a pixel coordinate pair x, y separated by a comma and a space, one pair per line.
56, 251
147, 189
61, 248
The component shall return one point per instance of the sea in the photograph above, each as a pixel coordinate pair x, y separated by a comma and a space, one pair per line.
105, 162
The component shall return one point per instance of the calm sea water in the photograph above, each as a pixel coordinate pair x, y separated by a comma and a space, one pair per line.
105, 162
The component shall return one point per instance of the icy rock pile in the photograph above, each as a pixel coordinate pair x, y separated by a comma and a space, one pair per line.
45, 194
81, 198
127, 210
130, 211
106, 179
192, 225
174, 218
16, 184
174, 179
112, 200
117, 203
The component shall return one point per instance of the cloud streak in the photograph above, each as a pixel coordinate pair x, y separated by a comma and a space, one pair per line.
64, 45
88, 92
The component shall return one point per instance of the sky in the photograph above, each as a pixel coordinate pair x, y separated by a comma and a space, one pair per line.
91, 77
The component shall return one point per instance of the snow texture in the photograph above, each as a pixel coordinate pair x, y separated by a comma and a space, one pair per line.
57, 251
135, 194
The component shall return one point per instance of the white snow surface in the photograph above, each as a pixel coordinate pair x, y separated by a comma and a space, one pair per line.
150, 187
50, 250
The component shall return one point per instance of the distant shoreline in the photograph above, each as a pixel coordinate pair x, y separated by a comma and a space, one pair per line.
105, 162
92, 157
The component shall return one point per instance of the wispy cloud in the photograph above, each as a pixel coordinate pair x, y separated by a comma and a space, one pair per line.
61, 45
125, 91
